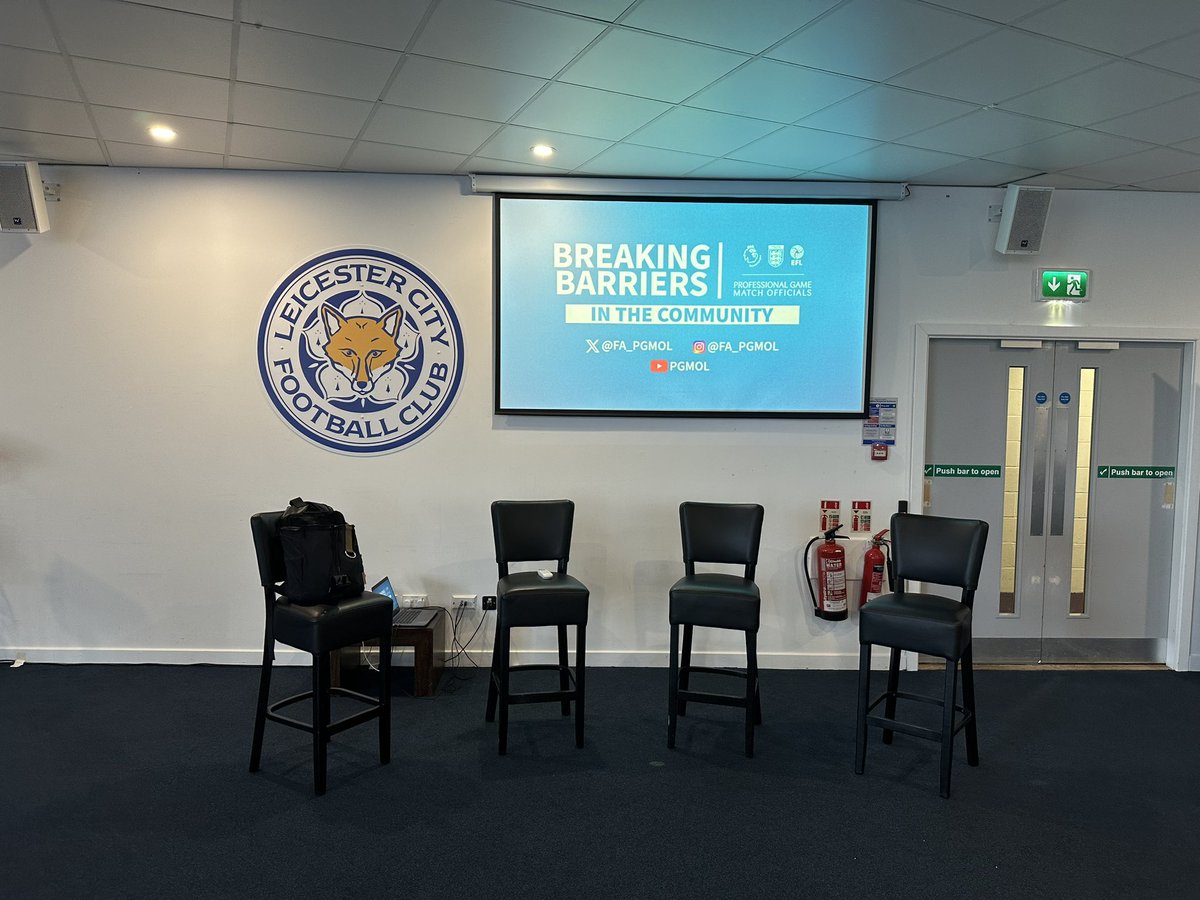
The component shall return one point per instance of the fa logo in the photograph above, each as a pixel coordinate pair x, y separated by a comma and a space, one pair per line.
360, 351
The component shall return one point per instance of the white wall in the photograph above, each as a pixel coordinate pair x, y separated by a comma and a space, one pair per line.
136, 438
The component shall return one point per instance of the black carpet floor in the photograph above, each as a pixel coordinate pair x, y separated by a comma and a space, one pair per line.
131, 781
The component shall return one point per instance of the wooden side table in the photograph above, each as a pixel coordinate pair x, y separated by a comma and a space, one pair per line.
429, 654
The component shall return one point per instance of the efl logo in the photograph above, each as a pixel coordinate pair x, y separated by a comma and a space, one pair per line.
658, 365
360, 351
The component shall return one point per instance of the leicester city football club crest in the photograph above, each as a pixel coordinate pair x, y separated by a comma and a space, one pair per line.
360, 351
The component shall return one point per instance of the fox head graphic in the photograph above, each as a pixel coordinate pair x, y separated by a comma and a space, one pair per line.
362, 348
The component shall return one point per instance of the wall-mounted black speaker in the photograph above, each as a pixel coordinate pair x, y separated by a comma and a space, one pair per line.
1023, 220
22, 198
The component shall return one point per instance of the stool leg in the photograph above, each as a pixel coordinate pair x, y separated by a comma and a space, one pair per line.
564, 681
673, 688
320, 679
968, 690
864, 692
751, 689
948, 724
385, 697
260, 713
490, 713
685, 670
893, 685
580, 669
502, 689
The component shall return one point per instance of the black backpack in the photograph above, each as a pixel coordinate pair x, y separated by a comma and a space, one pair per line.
321, 562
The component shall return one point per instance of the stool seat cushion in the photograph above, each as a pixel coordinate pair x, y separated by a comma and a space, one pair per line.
526, 599
327, 626
716, 600
924, 623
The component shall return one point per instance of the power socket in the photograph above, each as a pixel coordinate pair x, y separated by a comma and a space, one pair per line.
489, 602
464, 601
414, 599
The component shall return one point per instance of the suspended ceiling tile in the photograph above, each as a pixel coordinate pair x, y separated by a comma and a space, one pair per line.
36, 73
1169, 123
604, 10
876, 39
428, 130
143, 155
884, 113
1116, 26
144, 36
459, 89
131, 87
376, 23
130, 126
513, 143
588, 111
702, 131
371, 157
624, 160
984, 131
775, 91
891, 162
485, 165
1006, 12
220, 9
1068, 150
255, 104
26, 113
720, 23
999, 66
1159, 162
1067, 182
1178, 55
738, 169
1192, 146
1112, 90
305, 63
505, 36
650, 66
976, 172
1188, 181
50, 148
25, 26
801, 148
287, 146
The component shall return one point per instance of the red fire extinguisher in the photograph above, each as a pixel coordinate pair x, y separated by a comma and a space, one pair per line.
874, 563
830, 600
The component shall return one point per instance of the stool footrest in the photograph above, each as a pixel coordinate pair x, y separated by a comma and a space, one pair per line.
736, 673
706, 697
333, 727
932, 734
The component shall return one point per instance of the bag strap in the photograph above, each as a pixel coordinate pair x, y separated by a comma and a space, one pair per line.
349, 530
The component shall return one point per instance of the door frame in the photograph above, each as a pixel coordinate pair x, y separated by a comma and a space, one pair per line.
1187, 498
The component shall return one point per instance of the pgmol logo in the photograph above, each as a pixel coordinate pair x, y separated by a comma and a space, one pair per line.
360, 351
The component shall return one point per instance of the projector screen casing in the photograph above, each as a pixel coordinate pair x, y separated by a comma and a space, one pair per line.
682, 307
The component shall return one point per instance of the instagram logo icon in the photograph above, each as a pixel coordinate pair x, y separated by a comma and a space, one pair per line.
698, 346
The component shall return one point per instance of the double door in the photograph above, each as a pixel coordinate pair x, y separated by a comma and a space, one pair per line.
1068, 450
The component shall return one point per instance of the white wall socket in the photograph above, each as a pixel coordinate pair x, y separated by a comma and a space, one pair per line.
465, 601
414, 599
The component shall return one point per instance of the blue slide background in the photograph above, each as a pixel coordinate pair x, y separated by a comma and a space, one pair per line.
545, 363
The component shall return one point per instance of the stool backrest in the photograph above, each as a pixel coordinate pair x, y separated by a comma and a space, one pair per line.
720, 533
938, 550
267, 547
532, 530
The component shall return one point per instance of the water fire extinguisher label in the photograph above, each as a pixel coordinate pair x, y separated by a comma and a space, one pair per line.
836, 598
831, 514
860, 518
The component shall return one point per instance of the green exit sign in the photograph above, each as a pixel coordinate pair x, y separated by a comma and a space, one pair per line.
1063, 284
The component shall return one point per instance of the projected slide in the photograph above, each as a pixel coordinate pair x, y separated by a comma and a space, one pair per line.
682, 307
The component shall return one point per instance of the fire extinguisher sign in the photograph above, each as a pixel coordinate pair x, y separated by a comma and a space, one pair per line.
860, 515
831, 514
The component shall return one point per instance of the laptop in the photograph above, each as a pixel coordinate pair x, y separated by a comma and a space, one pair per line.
405, 616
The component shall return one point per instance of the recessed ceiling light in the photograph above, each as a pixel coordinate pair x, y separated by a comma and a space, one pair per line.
542, 150
162, 133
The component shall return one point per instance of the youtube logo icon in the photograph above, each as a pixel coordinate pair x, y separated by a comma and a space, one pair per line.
658, 365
